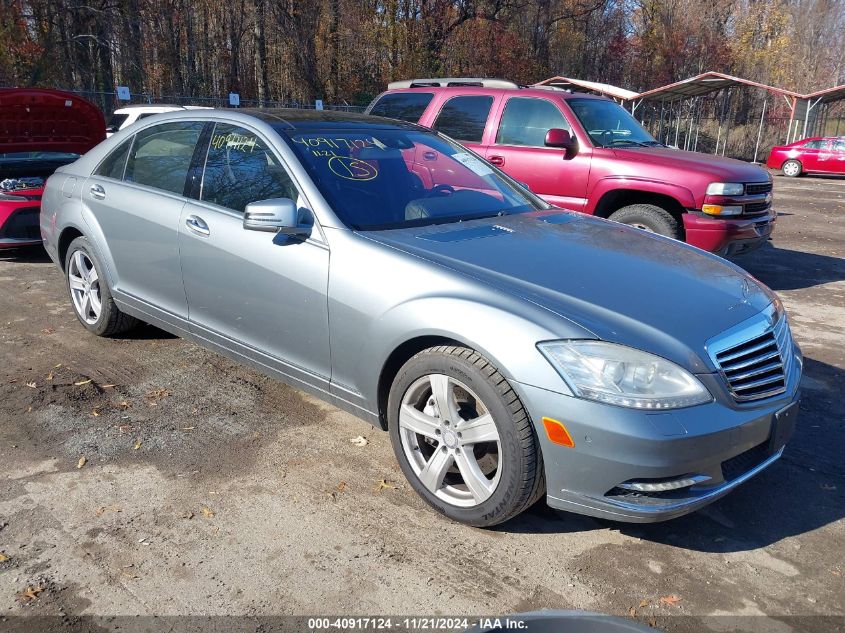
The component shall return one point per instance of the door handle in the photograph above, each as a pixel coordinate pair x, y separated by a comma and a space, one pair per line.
498, 161
98, 192
197, 225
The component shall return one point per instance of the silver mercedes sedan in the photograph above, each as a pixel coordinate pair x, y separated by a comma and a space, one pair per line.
511, 349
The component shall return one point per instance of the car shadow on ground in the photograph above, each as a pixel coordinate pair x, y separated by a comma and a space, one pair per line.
785, 269
802, 492
25, 255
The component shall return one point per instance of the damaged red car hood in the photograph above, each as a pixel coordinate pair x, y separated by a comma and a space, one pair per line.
40, 120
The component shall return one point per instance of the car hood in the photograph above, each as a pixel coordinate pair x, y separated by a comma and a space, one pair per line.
719, 167
37, 120
619, 283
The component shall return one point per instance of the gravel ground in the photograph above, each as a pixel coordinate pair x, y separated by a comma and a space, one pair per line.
146, 476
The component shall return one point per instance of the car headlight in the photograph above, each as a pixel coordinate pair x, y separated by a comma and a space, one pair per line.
725, 189
623, 376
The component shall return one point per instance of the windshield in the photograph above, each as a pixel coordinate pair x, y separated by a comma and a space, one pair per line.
609, 124
396, 178
117, 119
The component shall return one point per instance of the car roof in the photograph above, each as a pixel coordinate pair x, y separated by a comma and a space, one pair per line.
302, 119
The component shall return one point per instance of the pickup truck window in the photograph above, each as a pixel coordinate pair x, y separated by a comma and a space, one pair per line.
525, 121
405, 106
609, 124
464, 118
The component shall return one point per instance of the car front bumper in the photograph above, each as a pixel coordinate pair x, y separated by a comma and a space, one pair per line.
19, 226
728, 237
613, 445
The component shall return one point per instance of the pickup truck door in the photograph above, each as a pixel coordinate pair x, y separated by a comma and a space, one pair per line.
518, 148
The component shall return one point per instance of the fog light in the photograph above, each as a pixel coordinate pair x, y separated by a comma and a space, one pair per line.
718, 209
663, 486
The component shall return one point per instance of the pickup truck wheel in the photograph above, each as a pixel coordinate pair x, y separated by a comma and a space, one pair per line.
462, 437
90, 293
791, 168
649, 217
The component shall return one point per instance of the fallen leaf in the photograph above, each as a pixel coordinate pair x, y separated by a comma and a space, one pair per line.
155, 394
95, 413
644, 603
207, 512
384, 485
129, 574
31, 385
57, 366
670, 600
632, 612
83, 382
29, 409
47, 330
30, 593
341, 486
359, 441
50, 376
81, 462
3, 557
123, 428
103, 509
137, 445
124, 404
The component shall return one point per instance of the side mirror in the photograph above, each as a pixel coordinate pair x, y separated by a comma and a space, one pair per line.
557, 137
277, 215
111, 129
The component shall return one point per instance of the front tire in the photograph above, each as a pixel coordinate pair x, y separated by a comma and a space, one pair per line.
651, 218
792, 168
463, 438
90, 294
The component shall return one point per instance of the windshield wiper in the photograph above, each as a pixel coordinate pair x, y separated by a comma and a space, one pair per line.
625, 142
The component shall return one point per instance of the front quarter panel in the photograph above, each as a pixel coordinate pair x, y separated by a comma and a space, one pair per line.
380, 298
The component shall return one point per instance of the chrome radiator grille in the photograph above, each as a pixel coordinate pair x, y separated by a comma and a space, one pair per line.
758, 367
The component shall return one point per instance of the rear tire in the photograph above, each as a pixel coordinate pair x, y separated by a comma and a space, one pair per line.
482, 445
90, 294
651, 218
792, 168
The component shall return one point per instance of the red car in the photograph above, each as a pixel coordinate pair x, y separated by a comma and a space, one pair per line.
40, 130
587, 153
811, 155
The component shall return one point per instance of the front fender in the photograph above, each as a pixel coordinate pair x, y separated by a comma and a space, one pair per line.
681, 194
506, 339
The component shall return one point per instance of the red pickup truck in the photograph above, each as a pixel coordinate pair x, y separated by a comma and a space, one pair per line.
587, 153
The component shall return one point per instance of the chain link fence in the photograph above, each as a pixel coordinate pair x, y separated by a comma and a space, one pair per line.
108, 102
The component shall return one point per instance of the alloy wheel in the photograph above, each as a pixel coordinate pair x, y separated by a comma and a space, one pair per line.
450, 440
791, 168
84, 287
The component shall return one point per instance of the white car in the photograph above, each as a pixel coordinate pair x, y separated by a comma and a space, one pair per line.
126, 116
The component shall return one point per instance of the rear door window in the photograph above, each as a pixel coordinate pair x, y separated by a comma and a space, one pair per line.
525, 121
115, 163
161, 155
405, 106
813, 144
241, 168
464, 118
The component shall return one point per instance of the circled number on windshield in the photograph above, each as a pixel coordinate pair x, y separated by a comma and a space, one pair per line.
352, 168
